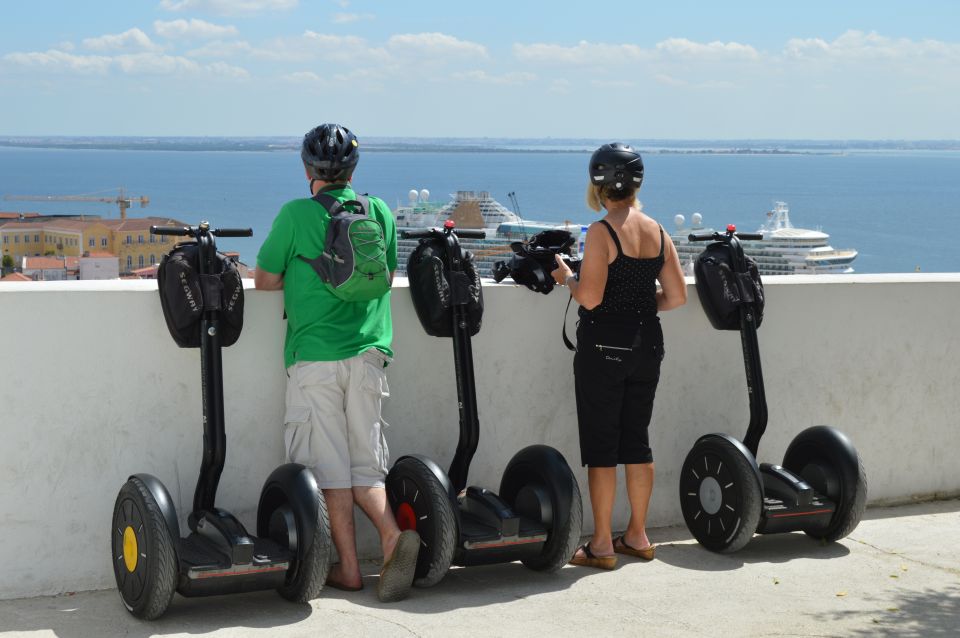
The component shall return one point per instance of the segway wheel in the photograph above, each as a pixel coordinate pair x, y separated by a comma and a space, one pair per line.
421, 503
720, 495
826, 459
539, 484
144, 554
309, 574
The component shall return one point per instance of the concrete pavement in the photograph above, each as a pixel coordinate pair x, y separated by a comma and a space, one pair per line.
897, 574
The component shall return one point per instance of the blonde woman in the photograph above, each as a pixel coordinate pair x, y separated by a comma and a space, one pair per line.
619, 347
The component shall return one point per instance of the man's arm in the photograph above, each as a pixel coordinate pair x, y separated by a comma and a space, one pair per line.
264, 280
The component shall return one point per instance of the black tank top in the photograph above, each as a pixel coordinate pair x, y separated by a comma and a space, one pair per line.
631, 282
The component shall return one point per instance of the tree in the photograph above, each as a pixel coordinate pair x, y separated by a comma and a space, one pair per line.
6, 265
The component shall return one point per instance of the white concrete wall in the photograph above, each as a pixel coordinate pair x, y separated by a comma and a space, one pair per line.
94, 389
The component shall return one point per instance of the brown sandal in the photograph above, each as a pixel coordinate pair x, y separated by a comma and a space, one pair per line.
589, 559
644, 553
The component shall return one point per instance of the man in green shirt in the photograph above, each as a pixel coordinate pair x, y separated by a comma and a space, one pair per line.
335, 354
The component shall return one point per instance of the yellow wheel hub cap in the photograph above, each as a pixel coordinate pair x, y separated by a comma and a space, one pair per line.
130, 553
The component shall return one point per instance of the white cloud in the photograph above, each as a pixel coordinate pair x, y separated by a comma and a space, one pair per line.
583, 53
346, 18
131, 39
668, 80
224, 70
229, 7
482, 77
54, 60
66, 46
682, 47
857, 45
193, 29
302, 76
144, 63
434, 46
154, 64
220, 49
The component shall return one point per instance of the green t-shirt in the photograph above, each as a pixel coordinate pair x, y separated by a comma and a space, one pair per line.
321, 326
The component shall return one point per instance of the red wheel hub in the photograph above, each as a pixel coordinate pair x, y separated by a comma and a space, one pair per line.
406, 517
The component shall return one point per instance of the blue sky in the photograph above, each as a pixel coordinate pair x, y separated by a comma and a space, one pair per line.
668, 69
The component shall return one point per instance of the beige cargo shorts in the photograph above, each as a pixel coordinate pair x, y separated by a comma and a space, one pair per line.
333, 424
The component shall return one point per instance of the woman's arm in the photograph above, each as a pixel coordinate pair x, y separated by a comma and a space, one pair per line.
673, 287
588, 290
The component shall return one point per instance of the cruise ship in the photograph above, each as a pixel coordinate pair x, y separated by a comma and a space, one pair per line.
784, 249
471, 209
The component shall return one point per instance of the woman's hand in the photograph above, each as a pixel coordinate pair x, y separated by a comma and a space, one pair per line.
562, 271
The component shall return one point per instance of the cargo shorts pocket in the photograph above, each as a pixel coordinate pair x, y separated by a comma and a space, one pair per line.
375, 379
296, 435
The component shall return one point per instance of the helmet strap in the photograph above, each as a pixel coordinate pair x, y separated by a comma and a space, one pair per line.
312, 182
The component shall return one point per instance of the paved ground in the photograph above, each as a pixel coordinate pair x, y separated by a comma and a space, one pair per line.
898, 574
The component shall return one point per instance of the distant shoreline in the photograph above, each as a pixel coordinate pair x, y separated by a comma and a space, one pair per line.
478, 145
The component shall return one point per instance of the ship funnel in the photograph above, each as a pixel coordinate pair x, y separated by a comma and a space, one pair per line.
679, 220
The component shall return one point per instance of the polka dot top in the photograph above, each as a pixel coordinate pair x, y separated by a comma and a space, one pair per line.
631, 282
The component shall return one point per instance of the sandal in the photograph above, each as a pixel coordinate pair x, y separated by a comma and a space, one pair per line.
589, 559
644, 553
398, 571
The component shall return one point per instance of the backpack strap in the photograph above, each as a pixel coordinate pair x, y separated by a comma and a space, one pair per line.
661, 241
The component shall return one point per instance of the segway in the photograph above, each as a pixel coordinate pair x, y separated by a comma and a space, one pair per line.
821, 487
291, 551
535, 517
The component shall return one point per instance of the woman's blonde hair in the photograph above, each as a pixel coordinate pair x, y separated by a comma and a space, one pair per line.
597, 193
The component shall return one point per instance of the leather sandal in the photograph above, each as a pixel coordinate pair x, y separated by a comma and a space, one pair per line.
620, 546
589, 559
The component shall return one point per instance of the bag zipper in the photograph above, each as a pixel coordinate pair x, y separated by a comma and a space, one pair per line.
601, 347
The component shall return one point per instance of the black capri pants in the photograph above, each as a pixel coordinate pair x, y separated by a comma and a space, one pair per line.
616, 370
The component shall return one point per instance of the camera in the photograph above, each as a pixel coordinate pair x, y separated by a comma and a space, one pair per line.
533, 261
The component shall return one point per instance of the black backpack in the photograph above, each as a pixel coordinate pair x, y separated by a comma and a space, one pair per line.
185, 294
723, 291
434, 296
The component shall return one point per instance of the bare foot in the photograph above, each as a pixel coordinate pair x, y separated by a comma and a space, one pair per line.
341, 579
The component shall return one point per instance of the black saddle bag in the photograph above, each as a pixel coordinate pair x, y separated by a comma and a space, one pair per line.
434, 296
723, 291
185, 294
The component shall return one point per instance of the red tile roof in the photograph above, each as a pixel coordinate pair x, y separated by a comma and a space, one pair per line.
16, 276
51, 263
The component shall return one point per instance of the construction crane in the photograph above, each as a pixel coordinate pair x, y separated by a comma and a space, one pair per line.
123, 200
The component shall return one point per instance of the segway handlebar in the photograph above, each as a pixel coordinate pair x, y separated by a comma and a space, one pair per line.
233, 232
170, 230
715, 236
466, 233
185, 231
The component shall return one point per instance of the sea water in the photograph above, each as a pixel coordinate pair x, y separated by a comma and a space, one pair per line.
899, 209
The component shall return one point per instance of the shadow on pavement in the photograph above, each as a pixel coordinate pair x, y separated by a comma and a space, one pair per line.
928, 613
102, 614
775, 548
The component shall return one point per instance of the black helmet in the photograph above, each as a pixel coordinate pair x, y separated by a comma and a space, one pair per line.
618, 165
331, 152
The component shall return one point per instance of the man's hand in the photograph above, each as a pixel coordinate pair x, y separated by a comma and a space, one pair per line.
264, 280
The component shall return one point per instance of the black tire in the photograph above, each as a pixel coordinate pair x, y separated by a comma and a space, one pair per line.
421, 503
306, 578
720, 495
144, 553
826, 459
543, 469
